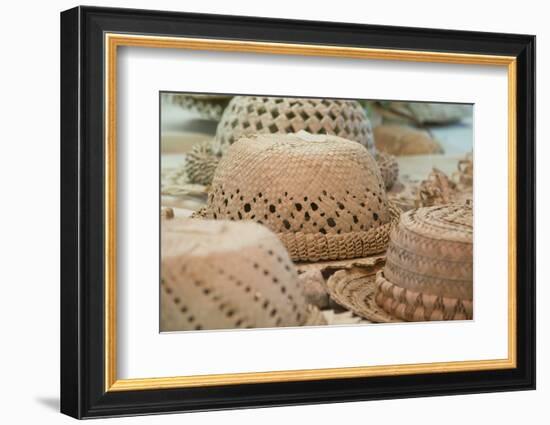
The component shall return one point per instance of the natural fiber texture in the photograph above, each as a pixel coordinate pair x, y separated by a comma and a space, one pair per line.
208, 107
250, 115
439, 189
322, 195
201, 163
388, 168
221, 274
414, 306
429, 265
355, 290
403, 140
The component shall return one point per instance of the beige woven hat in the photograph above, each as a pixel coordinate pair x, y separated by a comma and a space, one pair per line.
429, 265
221, 274
322, 195
250, 115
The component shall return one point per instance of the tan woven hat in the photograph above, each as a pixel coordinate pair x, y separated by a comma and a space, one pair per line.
322, 195
429, 265
222, 274
250, 115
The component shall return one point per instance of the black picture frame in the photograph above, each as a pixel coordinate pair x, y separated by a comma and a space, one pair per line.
82, 212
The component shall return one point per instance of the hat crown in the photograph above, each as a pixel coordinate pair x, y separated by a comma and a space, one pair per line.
302, 184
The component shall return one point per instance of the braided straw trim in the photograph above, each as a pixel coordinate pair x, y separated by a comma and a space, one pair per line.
418, 306
318, 246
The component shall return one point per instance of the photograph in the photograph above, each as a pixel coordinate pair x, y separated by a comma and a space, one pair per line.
310, 211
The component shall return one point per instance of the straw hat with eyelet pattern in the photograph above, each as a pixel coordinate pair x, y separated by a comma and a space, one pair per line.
322, 195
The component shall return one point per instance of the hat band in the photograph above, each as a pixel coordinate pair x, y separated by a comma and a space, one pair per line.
322, 247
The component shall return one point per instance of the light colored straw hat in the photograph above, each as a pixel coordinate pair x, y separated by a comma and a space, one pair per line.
222, 274
429, 265
322, 195
249, 115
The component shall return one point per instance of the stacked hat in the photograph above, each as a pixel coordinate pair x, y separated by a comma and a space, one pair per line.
322, 195
250, 115
429, 265
222, 274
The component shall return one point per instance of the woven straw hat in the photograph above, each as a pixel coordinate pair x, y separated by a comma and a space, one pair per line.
429, 265
322, 195
250, 115
221, 274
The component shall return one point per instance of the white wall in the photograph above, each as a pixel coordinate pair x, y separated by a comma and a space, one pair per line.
29, 224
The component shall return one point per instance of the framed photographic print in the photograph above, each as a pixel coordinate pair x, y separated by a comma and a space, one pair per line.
261, 212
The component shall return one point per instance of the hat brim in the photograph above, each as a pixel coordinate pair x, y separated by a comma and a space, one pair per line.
355, 290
